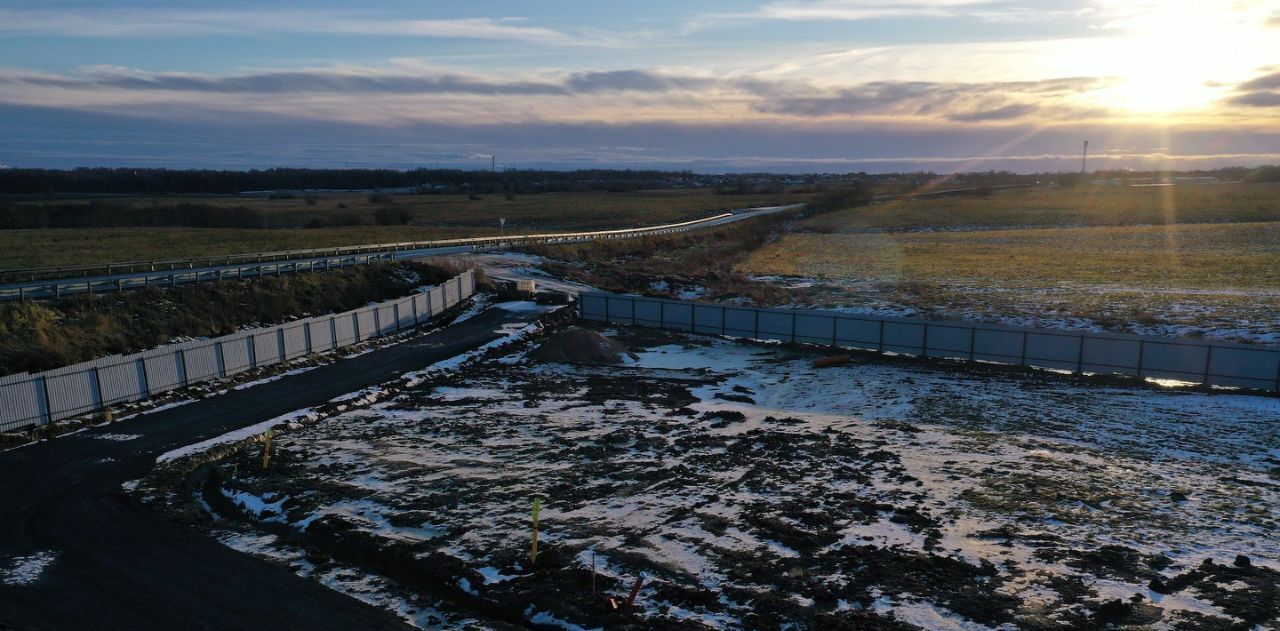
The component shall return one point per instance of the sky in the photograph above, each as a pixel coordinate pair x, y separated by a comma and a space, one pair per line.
707, 85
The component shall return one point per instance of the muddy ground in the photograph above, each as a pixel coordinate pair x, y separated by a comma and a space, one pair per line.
751, 490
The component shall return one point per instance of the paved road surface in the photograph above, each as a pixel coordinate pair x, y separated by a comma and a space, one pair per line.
121, 566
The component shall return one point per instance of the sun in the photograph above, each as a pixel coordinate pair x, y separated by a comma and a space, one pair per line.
1177, 57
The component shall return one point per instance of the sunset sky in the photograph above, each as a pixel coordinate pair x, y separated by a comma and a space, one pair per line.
709, 85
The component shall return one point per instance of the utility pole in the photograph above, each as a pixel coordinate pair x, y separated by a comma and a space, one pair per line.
1084, 160
493, 164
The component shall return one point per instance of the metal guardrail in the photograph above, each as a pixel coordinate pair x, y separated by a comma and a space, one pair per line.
33, 400
1254, 367
122, 276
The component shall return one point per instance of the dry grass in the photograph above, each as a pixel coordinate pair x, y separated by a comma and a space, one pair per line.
433, 217
37, 336
1205, 256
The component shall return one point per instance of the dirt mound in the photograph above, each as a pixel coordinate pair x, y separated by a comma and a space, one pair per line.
577, 345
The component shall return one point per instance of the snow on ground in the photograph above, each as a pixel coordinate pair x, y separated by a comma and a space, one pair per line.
25, 570
750, 488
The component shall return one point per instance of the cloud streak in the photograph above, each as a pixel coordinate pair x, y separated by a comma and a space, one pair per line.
645, 94
174, 23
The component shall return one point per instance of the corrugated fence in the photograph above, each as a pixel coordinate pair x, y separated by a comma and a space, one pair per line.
1219, 364
29, 400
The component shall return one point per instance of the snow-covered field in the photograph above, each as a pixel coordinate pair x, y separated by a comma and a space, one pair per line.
752, 490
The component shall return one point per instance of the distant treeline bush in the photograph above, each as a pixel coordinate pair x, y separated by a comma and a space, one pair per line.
840, 199
107, 215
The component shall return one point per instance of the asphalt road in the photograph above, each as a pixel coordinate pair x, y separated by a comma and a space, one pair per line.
119, 565
108, 283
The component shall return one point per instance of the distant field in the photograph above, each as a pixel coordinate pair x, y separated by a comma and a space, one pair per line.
432, 217
1206, 237
1085, 206
1197, 256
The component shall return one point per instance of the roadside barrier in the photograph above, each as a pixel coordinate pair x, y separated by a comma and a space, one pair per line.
28, 400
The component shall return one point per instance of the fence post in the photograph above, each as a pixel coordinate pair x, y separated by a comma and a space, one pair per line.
662, 314
48, 402
793, 327
182, 363
333, 331
1277, 388
881, 342
757, 312
833, 332
607, 317
924, 343
280, 344
1080, 357
633, 312
973, 342
97, 383
1208, 359
723, 327
142, 372
355, 326
222, 359
1023, 355
430, 310
1142, 349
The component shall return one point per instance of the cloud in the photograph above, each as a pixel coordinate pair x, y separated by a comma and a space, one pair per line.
315, 81
63, 137
130, 23
1007, 112
674, 93
1256, 99
966, 102
862, 9
1265, 82
1259, 92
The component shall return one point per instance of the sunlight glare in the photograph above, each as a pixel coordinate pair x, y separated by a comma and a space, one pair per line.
1179, 56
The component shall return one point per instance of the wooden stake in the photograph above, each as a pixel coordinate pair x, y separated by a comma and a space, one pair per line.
266, 449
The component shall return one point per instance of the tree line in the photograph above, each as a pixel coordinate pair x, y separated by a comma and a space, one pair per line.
165, 181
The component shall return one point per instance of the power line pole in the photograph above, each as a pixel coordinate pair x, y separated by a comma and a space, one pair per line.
493, 163
1084, 160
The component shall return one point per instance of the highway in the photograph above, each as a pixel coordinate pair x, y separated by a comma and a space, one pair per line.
171, 273
119, 565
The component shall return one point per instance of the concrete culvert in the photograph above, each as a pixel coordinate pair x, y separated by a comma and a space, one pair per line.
577, 345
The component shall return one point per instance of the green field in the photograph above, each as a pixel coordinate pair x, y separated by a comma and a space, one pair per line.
1083, 206
431, 217
1188, 256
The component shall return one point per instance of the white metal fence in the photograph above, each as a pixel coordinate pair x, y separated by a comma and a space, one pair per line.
1182, 359
28, 400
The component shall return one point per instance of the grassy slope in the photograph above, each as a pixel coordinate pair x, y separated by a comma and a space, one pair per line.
434, 216
38, 336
